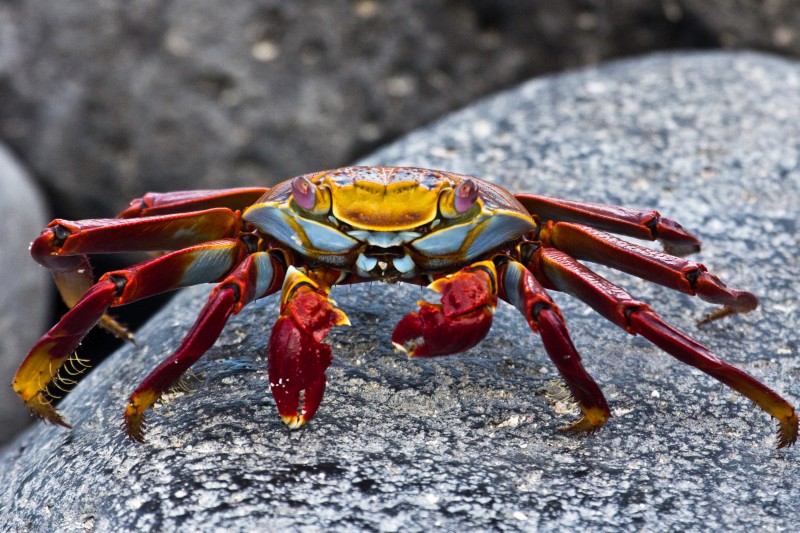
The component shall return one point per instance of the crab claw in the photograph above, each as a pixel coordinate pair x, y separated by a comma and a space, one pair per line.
297, 356
461, 321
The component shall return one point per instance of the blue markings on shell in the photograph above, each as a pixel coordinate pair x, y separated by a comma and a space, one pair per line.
445, 241
479, 237
301, 234
496, 230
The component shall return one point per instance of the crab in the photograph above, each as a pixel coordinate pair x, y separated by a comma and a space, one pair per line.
468, 239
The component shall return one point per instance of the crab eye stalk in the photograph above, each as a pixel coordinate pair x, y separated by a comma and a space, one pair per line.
316, 200
456, 202
465, 196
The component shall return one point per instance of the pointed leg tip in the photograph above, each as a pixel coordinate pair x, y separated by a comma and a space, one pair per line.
116, 329
787, 431
592, 420
135, 422
134, 427
745, 302
42, 409
715, 315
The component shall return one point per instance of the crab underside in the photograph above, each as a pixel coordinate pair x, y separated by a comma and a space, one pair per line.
463, 237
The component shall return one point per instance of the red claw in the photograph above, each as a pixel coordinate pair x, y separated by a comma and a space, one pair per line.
297, 356
461, 321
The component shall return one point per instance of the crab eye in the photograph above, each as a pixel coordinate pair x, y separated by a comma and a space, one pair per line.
453, 203
465, 196
304, 193
316, 199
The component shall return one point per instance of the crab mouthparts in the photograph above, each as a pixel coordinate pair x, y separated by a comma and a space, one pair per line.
377, 262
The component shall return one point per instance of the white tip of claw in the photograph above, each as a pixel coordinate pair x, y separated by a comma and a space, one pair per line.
343, 320
294, 422
400, 348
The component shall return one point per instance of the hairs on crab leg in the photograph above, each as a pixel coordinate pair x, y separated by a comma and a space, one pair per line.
459, 322
257, 276
560, 271
648, 225
197, 264
519, 287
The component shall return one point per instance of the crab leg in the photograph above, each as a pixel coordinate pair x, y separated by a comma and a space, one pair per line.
648, 225
567, 275
519, 287
583, 242
154, 203
257, 276
63, 246
459, 322
297, 356
40, 369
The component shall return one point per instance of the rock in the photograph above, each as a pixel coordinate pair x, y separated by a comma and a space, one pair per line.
106, 100
773, 25
24, 298
472, 441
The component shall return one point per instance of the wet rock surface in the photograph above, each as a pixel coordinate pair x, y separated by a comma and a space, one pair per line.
24, 289
471, 441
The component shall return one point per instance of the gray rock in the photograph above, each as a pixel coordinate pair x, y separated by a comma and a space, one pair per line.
471, 442
24, 296
109, 99
772, 25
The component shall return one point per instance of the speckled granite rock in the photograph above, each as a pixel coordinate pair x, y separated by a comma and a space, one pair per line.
24, 301
471, 441
109, 99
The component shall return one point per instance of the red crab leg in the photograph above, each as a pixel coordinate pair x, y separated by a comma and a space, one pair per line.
523, 291
63, 246
257, 276
154, 203
461, 321
567, 275
648, 225
297, 356
40, 368
582, 242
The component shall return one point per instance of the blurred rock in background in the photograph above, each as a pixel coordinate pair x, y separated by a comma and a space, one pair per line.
24, 297
107, 100
766, 24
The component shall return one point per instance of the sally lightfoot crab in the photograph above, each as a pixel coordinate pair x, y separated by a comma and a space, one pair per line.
466, 238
